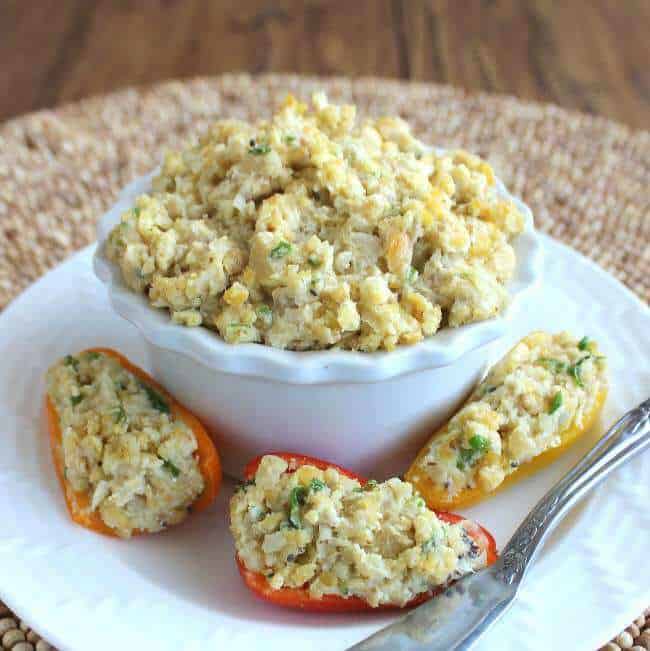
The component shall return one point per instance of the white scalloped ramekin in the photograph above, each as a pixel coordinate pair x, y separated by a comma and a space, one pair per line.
365, 411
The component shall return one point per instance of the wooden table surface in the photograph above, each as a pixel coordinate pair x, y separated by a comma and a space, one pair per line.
590, 55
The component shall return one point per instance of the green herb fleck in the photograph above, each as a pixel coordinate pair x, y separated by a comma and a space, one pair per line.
343, 589
265, 313
575, 371
93, 355
556, 403
583, 344
316, 485
170, 468
419, 502
314, 261
478, 446
244, 485
120, 385
280, 250
136, 211
236, 329
479, 443
430, 544
296, 500
465, 457
259, 150
289, 139
357, 489
75, 400
155, 399
69, 360
412, 275
554, 365
371, 484
119, 415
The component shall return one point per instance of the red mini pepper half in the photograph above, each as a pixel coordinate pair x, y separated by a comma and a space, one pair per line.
299, 598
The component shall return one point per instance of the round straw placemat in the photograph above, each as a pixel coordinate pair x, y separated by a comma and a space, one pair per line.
585, 178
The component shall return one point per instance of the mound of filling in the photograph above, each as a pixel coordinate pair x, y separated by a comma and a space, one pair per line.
314, 230
122, 446
320, 530
544, 385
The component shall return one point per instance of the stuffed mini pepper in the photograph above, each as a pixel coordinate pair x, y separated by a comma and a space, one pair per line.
129, 458
534, 403
313, 536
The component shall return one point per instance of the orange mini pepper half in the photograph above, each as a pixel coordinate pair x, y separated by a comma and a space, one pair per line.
300, 598
78, 503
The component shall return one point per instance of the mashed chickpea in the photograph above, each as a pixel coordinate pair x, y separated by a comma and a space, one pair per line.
322, 531
313, 231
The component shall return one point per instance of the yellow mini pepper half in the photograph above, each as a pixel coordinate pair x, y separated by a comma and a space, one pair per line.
537, 401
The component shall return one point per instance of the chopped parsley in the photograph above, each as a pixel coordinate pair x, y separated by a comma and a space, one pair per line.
258, 149
478, 446
75, 400
280, 250
265, 313
412, 275
343, 588
575, 371
296, 500
136, 211
314, 261
556, 402
465, 457
120, 414
170, 468
554, 365
316, 485
93, 355
237, 329
583, 344
244, 485
290, 139
69, 360
430, 544
371, 484
155, 399
479, 443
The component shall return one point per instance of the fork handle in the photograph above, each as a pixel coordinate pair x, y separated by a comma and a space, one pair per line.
630, 435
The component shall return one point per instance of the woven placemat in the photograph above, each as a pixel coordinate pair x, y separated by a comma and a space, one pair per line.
585, 178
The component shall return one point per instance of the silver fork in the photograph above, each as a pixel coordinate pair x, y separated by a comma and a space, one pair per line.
461, 614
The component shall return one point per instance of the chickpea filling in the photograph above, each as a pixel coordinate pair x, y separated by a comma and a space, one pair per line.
315, 230
322, 531
122, 445
546, 384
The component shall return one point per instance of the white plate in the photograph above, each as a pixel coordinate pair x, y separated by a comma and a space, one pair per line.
180, 590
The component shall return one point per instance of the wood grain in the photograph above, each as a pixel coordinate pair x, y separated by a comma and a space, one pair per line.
590, 55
